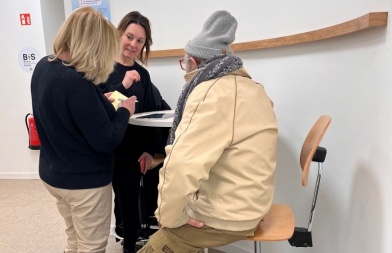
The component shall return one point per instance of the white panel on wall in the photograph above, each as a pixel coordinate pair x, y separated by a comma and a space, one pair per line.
53, 16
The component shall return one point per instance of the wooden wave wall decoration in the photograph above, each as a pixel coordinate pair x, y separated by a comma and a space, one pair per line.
372, 19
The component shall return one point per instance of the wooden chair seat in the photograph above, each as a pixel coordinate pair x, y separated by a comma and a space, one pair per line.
277, 225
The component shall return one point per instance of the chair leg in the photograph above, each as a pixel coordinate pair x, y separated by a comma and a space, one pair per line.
257, 247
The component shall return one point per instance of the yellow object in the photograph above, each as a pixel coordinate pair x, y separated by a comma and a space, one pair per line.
117, 96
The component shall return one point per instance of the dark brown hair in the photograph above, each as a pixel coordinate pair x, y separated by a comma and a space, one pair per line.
134, 17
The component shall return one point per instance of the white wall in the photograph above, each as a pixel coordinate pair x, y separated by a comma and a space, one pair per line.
16, 159
347, 77
53, 15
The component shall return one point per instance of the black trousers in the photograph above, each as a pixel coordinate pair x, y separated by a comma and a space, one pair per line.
150, 191
126, 187
131, 205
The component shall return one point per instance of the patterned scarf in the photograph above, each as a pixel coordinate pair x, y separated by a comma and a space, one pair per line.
212, 68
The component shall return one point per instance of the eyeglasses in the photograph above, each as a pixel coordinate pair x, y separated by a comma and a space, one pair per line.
183, 62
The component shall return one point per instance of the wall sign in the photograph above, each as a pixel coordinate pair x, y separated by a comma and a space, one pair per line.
25, 19
101, 5
28, 57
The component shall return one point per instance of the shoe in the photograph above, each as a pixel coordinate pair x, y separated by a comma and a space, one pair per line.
118, 233
138, 247
128, 251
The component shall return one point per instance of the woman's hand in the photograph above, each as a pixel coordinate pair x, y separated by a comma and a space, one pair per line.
111, 100
130, 78
145, 161
128, 103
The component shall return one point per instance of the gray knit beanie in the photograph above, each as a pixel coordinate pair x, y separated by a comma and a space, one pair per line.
215, 38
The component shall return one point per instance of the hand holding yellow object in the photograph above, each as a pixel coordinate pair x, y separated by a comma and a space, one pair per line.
117, 96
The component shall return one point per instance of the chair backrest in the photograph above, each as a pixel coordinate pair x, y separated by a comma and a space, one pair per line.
311, 144
278, 224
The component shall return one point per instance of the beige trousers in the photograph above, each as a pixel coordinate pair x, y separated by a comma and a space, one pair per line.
187, 239
87, 216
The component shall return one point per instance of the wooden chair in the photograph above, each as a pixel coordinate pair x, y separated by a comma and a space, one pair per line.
278, 224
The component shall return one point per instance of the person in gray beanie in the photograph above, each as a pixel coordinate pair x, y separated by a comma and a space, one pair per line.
215, 38
217, 181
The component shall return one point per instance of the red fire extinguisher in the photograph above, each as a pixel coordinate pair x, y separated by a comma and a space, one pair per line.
34, 142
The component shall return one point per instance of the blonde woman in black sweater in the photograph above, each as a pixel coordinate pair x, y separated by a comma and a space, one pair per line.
78, 126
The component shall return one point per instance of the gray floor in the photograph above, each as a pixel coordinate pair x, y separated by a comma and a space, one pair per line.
30, 222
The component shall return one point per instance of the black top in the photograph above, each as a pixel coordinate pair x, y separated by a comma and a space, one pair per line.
78, 127
137, 139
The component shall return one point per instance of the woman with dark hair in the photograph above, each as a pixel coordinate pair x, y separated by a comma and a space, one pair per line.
134, 155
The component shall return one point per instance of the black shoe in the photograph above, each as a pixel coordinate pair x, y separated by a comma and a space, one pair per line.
118, 233
128, 251
119, 230
138, 247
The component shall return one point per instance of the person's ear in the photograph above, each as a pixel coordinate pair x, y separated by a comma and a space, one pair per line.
191, 64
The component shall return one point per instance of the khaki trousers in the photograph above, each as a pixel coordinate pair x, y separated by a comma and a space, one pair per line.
87, 216
187, 239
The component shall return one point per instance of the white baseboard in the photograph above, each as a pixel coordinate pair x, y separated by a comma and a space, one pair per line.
19, 176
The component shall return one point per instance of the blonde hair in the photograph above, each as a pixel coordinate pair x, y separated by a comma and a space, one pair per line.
93, 44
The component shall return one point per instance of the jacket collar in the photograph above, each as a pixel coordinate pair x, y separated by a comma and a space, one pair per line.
239, 72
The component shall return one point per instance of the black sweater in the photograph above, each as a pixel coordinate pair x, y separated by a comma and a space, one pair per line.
78, 127
137, 139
